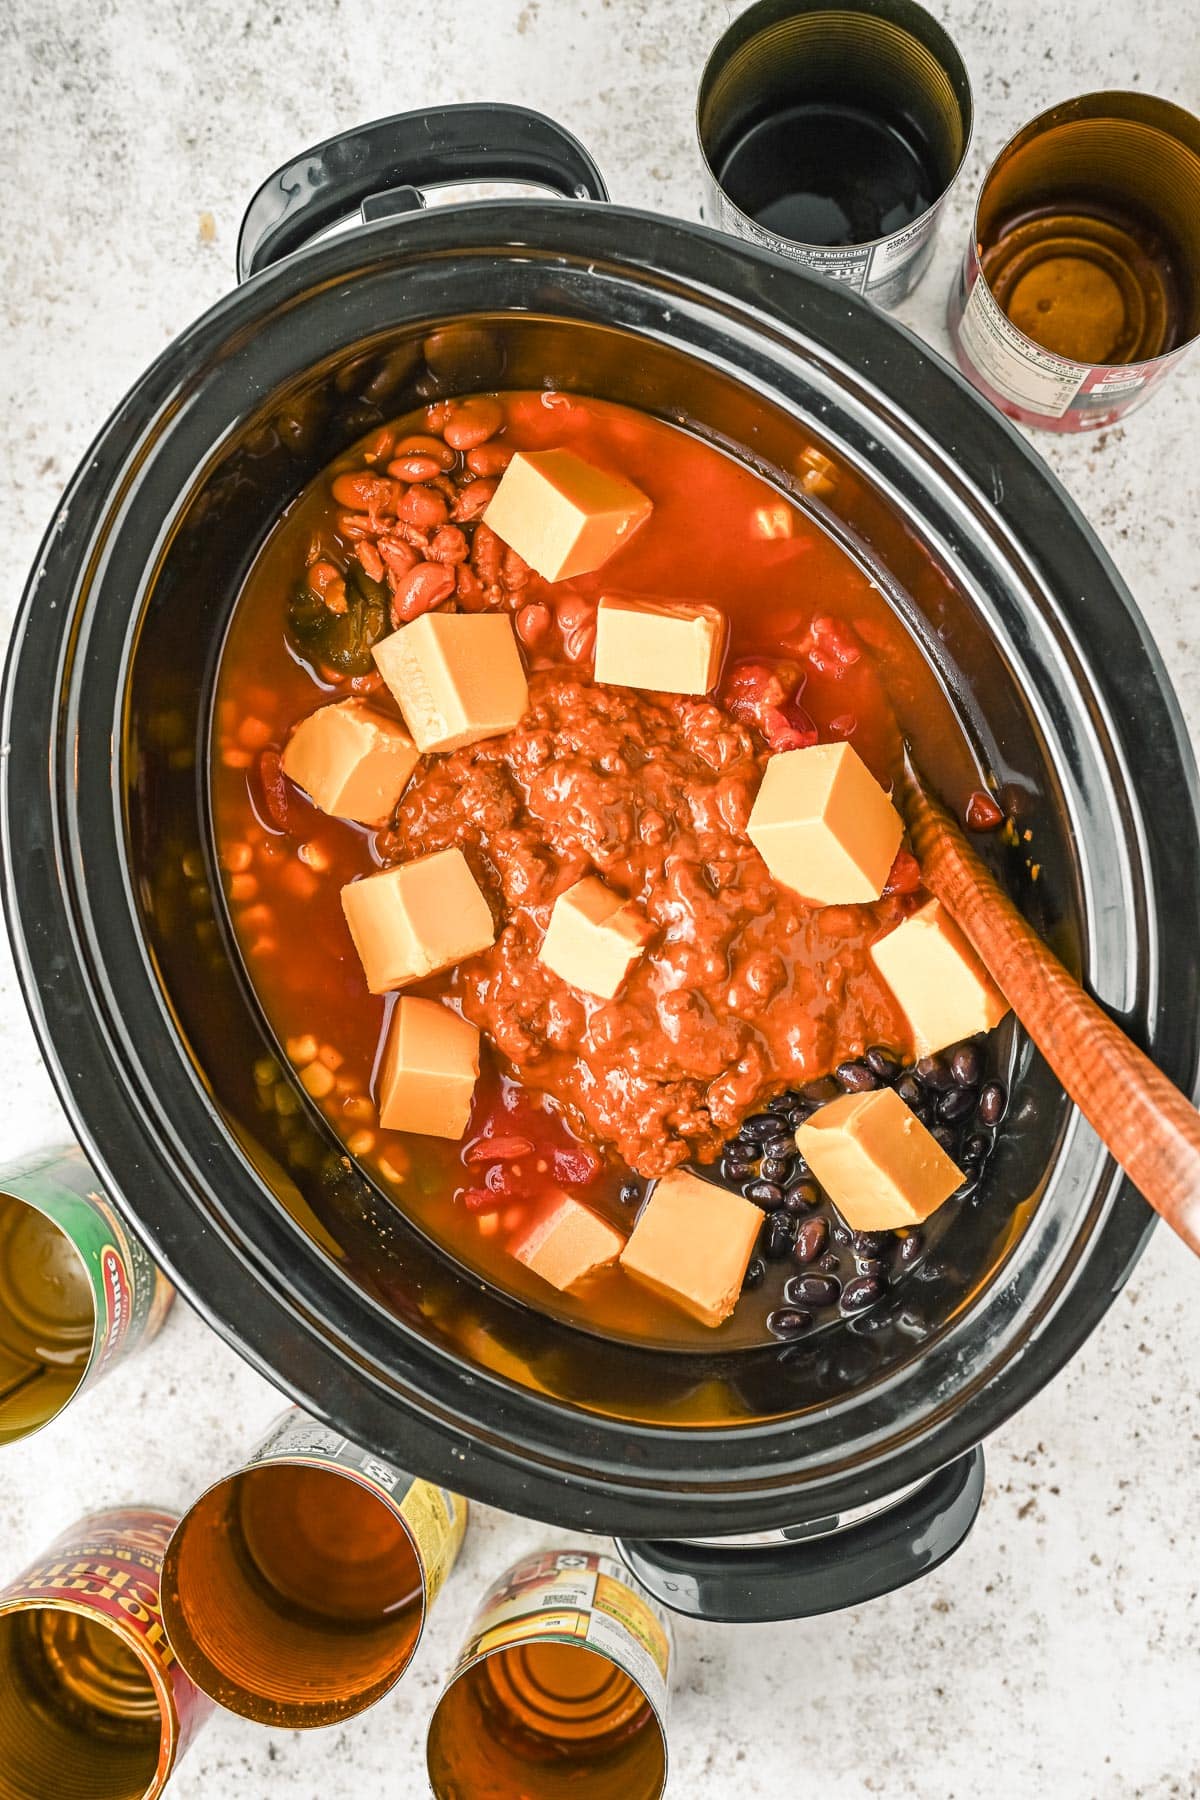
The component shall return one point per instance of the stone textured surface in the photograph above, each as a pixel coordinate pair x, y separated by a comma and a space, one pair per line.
1059, 1653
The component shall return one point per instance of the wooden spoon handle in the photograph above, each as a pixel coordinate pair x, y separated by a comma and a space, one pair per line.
1149, 1126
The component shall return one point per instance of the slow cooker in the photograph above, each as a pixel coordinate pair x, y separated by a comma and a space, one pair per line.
742, 1484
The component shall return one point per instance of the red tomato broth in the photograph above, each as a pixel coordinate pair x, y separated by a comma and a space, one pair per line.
718, 533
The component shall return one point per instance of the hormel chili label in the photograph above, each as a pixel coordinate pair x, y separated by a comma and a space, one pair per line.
108, 1567
435, 1518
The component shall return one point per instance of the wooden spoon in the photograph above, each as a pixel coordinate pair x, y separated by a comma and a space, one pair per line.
1147, 1124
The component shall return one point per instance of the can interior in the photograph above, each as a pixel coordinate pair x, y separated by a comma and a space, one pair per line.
47, 1319
218, 1027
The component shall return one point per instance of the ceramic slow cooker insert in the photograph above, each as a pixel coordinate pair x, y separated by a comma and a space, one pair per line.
297, 1259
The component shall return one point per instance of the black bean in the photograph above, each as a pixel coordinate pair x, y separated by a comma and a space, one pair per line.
943, 1135
779, 1147
767, 1194
797, 1116
957, 1103
811, 1239
756, 1273
734, 1168
630, 1193
801, 1171
970, 1186
842, 1234
776, 1168
871, 1322
934, 1072
910, 1090
992, 1102
781, 1235
870, 1265
818, 1092
801, 1196
976, 1148
814, 1290
856, 1078
911, 1249
913, 1323
864, 1292
831, 1262
882, 1062
759, 1126
788, 1322
966, 1065
871, 1243
780, 1104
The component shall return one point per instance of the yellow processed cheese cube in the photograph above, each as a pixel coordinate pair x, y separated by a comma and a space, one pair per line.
594, 937
569, 1244
351, 761
691, 1245
938, 980
670, 646
456, 677
824, 826
417, 918
561, 514
429, 1069
876, 1161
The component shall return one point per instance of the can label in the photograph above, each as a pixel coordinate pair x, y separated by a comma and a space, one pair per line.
132, 1296
436, 1519
108, 1567
884, 272
1021, 376
582, 1598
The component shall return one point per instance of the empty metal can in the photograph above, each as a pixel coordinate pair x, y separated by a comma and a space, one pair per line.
833, 135
1080, 288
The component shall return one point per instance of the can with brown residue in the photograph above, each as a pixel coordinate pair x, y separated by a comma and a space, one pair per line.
93, 1705
1080, 288
77, 1290
560, 1688
295, 1591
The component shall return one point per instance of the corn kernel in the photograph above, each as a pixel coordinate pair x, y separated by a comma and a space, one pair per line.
301, 1050
360, 1143
242, 887
237, 858
317, 1080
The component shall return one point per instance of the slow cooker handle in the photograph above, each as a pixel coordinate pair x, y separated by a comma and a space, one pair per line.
758, 1583
391, 160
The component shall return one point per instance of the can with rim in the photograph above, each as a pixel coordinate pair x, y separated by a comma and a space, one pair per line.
1080, 288
93, 1703
295, 1591
833, 134
561, 1686
77, 1290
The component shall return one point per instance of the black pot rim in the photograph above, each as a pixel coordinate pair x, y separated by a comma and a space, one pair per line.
604, 1474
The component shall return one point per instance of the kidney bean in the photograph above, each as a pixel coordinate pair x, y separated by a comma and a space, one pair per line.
421, 590
422, 508
905, 876
448, 545
788, 1321
414, 467
489, 459
992, 1102
813, 1290
533, 622
497, 1149
857, 1295
471, 422
982, 812
274, 788
472, 500
417, 444
360, 491
811, 1240
487, 552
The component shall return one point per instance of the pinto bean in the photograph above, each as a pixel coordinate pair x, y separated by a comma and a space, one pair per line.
489, 459
471, 596
360, 491
448, 545
422, 508
421, 590
417, 444
487, 554
414, 467
533, 622
399, 556
372, 562
471, 422
472, 500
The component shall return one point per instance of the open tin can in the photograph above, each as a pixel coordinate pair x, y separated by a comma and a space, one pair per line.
93, 1704
832, 134
560, 1688
1080, 287
77, 1290
295, 1591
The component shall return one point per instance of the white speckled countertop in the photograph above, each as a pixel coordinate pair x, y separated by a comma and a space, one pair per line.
1059, 1653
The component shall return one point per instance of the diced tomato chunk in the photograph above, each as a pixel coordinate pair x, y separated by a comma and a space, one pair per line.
983, 814
905, 877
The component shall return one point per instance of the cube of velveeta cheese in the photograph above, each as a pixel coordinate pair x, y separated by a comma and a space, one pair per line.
938, 980
824, 826
876, 1161
429, 1069
564, 516
691, 1245
594, 937
670, 646
351, 761
568, 1244
417, 918
456, 677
